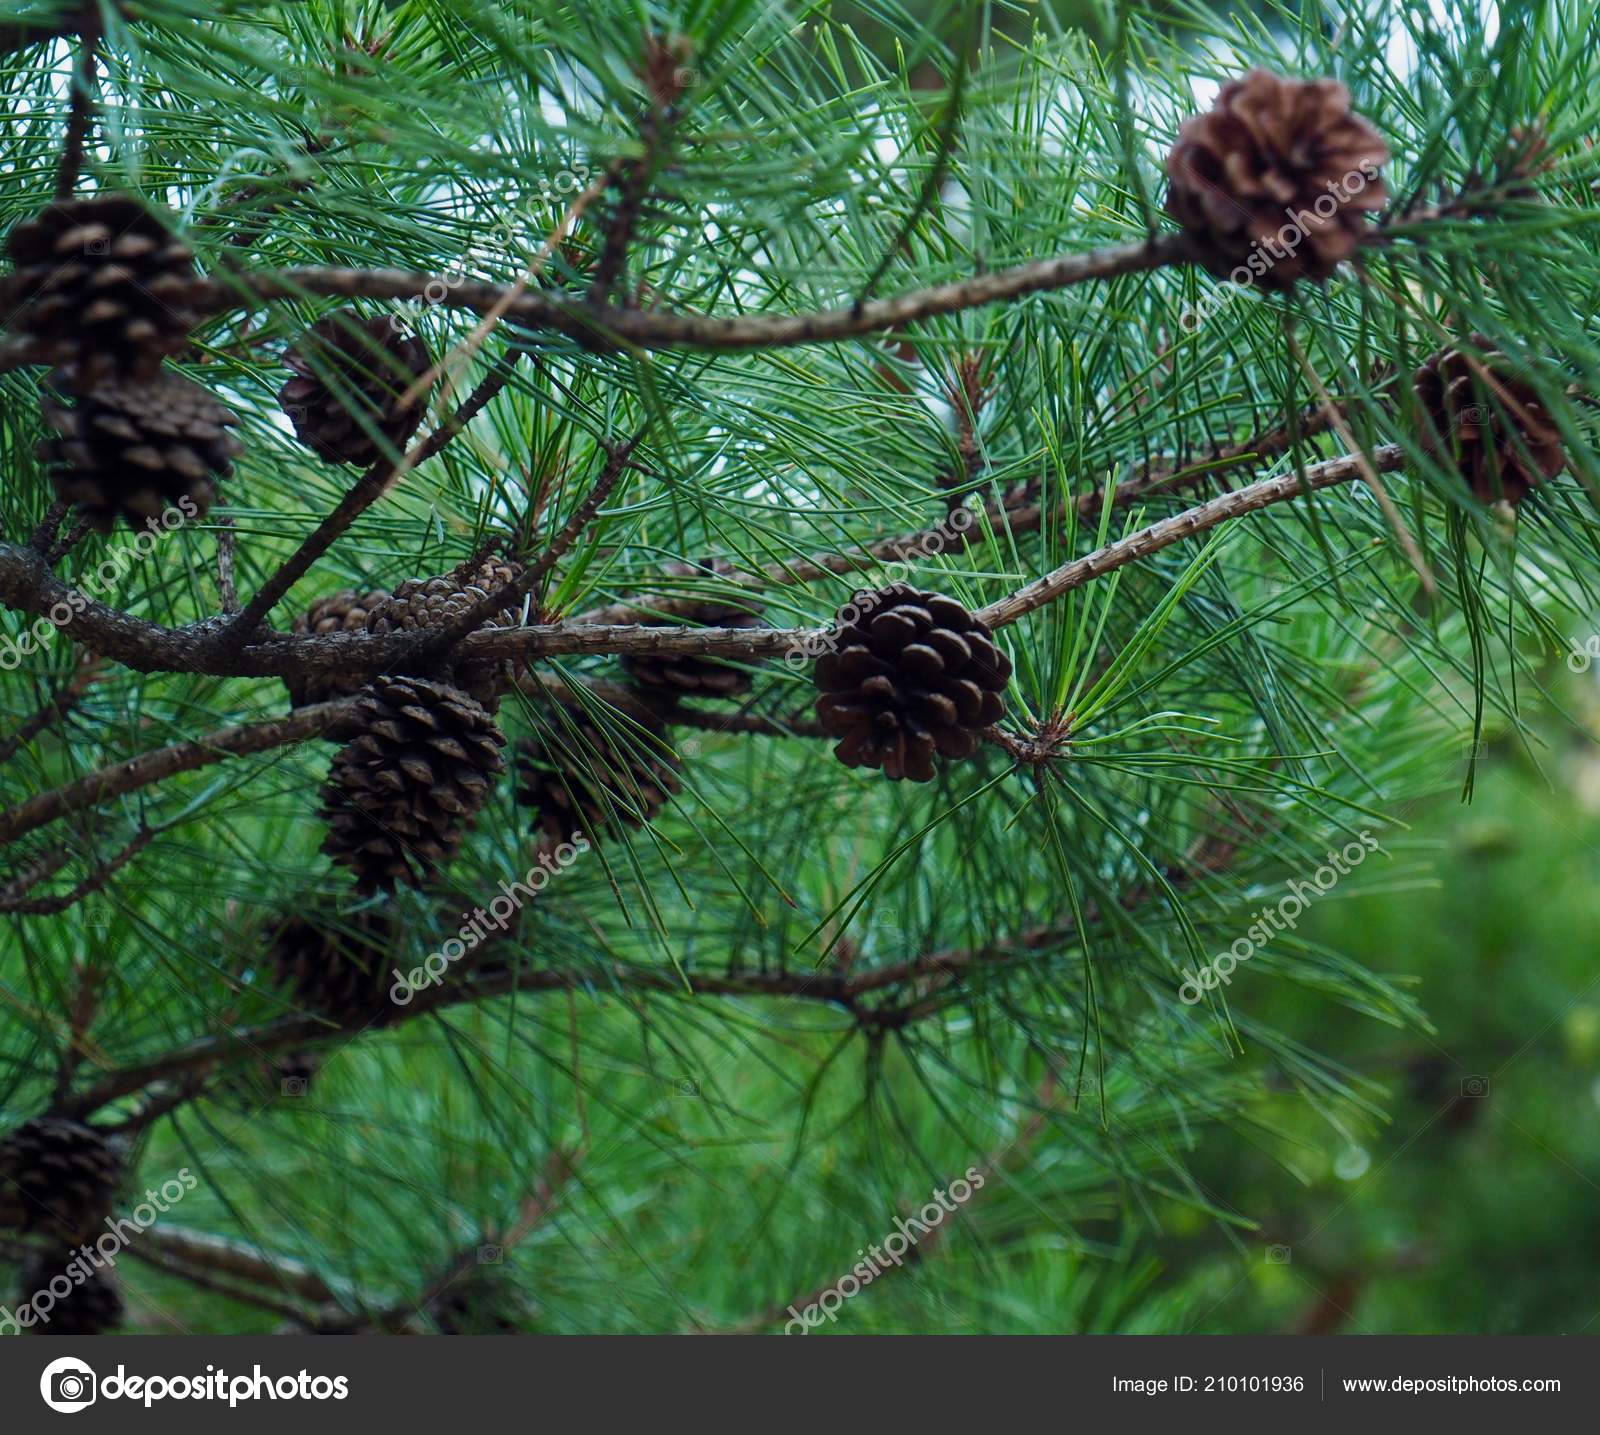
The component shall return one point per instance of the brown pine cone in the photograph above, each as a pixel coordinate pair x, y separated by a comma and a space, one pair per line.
92, 1307
100, 283
401, 792
687, 674
135, 450
913, 674
336, 969
59, 1175
421, 603
1275, 158
1487, 423
578, 779
349, 369
343, 612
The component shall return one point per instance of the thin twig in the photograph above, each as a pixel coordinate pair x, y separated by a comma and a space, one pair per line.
94, 882
126, 776
227, 589
371, 486
618, 457
1180, 526
83, 104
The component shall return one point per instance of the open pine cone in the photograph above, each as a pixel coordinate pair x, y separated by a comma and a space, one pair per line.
343, 612
1278, 178
421, 603
338, 971
402, 790
135, 450
347, 369
913, 674
59, 1175
1488, 423
579, 779
687, 674
92, 1306
100, 284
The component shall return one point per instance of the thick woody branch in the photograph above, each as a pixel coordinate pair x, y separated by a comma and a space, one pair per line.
657, 329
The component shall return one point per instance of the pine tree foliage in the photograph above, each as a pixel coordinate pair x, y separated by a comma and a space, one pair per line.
744, 1029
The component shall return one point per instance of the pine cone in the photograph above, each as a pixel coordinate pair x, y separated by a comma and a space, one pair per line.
99, 283
1488, 423
335, 970
57, 1174
92, 1307
400, 792
136, 450
343, 612
1275, 155
687, 674
580, 780
420, 603
346, 367
913, 674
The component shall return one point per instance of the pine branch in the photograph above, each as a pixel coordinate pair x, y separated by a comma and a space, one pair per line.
371, 486
658, 329
1172, 530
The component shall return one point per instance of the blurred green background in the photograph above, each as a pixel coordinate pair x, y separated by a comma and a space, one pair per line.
1476, 1206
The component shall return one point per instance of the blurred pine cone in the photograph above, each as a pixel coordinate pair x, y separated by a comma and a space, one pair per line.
421, 603
92, 1307
1486, 422
348, 369
914, 674
578, 779
99, 284
1275, 154
335, 969
343, 612
483, 1300
402, 790
687, 674
57, 1174
134, 450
